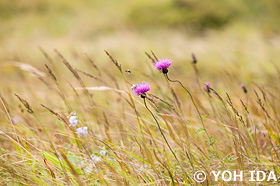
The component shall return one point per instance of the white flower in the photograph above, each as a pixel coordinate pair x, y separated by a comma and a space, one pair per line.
73, 120
88, 169
94, 158
133, 86
102, 152
82, 131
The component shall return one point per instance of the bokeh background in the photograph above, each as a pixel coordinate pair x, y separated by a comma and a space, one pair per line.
176, 27
241, 35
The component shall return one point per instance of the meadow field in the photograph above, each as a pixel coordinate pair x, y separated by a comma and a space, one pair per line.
69, 71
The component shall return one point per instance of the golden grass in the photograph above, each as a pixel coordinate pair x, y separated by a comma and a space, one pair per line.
38, 147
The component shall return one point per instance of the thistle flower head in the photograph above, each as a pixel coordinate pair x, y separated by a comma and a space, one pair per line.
207, 87
163, 64
73, 120
141, 88
82, 131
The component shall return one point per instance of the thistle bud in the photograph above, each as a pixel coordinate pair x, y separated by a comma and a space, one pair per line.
244, 88
194, 60
207, 87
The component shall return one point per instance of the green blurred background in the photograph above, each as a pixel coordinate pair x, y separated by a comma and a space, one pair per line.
227, 31
57, 18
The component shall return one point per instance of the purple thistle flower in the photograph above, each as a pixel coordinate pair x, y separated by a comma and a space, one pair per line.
141, 89
207, 87
163, 64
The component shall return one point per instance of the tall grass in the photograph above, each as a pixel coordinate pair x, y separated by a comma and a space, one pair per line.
227, 129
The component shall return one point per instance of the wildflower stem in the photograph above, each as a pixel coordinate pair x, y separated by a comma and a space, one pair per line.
165, 138
209, 138
8, 114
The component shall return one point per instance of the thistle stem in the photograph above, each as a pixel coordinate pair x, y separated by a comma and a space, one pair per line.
165, 137
204, 128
